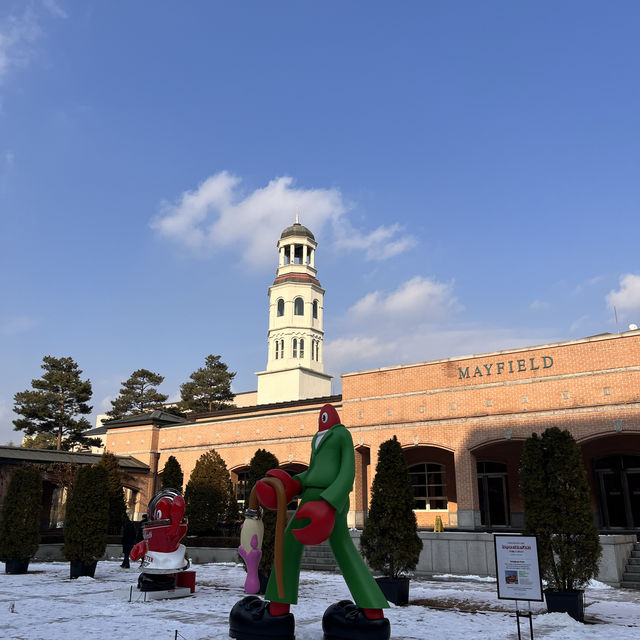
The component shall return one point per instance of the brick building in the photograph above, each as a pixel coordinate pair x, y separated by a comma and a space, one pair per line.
461, 421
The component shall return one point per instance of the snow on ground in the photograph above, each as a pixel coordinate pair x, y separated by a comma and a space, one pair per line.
46, 604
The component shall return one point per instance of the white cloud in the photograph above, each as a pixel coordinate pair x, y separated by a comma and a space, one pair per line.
407, 346
419, 298
587, 284
17, 37
539, 305
416, 322
626, 299
217, 215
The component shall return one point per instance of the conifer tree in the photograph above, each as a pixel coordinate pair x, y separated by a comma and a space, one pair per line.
117, 506
209, 496
557, 509
57, 404
390, 540
138, 394
172, 476
87, 516
209, 387
20, 522
262, 462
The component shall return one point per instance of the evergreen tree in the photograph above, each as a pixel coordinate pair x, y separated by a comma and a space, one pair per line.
57, 404
117, 506
138, 394
390, 540
209, 388
40, 441
172, 476
20, 522
557, 509
209, 496
262, 462
87, 516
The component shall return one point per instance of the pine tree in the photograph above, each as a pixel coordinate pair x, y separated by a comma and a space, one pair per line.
87, 516
557, 508
209, 388
20, 522
390, 540
209, 496
138, 394
57, 404
117, 506
172, 476
262, 462
40, 441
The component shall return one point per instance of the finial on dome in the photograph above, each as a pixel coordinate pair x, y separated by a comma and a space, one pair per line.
297, 215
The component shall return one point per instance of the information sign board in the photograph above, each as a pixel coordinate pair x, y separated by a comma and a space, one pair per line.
517, 567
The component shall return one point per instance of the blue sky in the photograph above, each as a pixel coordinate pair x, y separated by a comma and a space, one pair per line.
470, 171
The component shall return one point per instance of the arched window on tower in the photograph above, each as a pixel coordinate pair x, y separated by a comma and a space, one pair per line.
315, 309
282, 348
298, 307
295, 347
301, 347
277, 348
280, 311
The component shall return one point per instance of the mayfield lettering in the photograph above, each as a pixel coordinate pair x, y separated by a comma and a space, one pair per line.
510, 366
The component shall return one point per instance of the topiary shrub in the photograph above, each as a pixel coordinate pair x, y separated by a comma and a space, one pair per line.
20, 522
390, 541
262, 462
117, 506
172, 476
211, 506
87, 516
557, 509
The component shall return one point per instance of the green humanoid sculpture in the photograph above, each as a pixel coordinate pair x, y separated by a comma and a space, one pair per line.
321, 515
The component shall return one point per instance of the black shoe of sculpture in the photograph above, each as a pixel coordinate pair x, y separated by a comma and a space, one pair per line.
345, 621
156, 582
250, 620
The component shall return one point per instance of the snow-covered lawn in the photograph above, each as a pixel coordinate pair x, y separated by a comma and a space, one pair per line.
46, 605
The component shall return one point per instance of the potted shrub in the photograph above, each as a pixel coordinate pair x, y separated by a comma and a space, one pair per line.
557, 509
390, 541
20, 523
86, 521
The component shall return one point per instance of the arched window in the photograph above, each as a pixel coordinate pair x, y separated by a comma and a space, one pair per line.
301, 348
282, 348
429, 489
277, 348
315, 309
295, 347
298, 307
280, 311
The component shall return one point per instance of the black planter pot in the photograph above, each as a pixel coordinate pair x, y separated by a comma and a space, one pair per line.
395, 590
571, 602
17, 565
78, 568
264, 580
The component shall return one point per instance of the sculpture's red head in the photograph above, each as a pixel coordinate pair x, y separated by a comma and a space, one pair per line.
328, 417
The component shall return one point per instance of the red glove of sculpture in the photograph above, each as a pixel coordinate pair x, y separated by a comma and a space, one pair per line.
267, 494
322, 516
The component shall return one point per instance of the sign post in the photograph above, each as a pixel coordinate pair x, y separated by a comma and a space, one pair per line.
518, 572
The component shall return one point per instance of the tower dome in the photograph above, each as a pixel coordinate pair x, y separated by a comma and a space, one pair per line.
297, 229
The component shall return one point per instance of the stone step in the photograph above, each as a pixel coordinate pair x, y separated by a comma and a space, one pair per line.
634, 560
628, 584
631, 576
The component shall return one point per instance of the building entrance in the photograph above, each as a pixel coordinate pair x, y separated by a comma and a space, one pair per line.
493, 493
618, 489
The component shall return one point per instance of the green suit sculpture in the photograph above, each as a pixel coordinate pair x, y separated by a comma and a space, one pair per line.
321, 515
